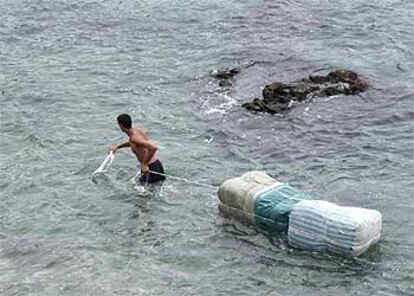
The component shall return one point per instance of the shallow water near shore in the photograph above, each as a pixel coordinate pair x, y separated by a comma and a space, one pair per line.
68, 68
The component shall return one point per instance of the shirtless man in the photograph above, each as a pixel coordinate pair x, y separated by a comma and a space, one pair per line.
143, 148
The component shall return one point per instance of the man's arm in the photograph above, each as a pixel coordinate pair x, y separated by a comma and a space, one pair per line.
114, 148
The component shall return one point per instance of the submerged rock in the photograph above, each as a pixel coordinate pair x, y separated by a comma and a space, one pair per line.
225, 76
225, 73
278, 97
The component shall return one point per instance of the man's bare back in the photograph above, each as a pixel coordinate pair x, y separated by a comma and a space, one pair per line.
135, 140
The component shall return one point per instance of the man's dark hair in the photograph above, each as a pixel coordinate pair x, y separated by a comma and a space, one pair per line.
124, 120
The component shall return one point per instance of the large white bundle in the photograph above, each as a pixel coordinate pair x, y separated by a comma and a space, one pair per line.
317, 225
237, 195
260, 200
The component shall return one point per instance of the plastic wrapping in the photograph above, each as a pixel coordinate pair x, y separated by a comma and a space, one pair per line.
317, 225
258, 199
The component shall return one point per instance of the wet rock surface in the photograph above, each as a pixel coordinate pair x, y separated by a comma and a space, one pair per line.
279, 97
225, 73
225, 76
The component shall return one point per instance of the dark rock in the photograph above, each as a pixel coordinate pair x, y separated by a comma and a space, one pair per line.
225, 73
278, 97
225, 76
225, 83
259, 105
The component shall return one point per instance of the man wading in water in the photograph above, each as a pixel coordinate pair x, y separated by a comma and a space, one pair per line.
143, 148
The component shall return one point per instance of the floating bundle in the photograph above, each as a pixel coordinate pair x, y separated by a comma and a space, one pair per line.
312, 225
259, 199
317, 225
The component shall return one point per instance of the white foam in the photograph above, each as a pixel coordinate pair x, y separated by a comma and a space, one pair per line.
223, 107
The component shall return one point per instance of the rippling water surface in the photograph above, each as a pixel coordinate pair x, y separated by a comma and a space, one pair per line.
67, 68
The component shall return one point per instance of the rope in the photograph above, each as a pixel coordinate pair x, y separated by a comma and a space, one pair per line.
105, 165
178, 179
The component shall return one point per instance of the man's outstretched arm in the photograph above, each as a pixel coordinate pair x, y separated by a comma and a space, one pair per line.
114, 148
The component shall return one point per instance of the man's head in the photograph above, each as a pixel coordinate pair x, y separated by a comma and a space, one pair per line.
124, 121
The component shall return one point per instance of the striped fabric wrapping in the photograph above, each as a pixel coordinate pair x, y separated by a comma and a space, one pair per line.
317, 225
259, 199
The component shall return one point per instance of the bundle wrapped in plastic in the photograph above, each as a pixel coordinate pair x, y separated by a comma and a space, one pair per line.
317, 225
258, 199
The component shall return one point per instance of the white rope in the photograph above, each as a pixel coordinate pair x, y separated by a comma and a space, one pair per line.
178, 179
105, 165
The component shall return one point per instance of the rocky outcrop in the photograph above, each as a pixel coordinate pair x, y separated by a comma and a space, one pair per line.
225, 73
278, 97
225, 76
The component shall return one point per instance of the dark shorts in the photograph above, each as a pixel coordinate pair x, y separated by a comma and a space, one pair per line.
149, 177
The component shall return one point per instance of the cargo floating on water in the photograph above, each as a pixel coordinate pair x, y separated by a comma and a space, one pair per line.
310, 224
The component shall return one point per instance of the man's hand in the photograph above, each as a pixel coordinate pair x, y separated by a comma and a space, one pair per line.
113, 149
144, 169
